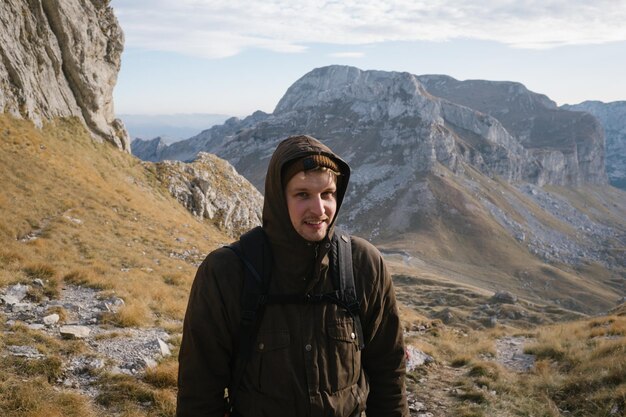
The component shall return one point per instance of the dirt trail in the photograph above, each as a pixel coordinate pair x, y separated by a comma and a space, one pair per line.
430, 396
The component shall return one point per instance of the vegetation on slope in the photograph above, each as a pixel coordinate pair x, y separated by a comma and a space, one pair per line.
76, 211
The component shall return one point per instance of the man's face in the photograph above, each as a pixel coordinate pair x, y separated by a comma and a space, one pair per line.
311, 200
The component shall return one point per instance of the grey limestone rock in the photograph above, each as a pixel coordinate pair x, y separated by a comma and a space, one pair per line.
74, 332
504, 297
613, 119
60, 58
211, 188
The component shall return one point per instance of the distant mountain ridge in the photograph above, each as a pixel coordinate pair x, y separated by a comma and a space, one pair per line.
170, 127
554, 136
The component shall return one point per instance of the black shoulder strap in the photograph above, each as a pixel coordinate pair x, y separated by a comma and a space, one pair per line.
254, 252
343, 279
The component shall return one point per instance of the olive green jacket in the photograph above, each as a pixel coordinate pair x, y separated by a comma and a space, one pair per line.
306, 359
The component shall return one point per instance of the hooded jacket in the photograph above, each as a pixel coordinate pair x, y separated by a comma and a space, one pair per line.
306, 360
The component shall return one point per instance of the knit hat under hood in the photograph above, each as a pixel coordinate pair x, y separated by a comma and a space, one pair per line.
285, 241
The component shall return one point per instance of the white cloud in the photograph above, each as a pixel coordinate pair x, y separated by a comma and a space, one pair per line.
348, 55
221, 28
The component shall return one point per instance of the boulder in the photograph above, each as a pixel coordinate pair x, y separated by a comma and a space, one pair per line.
74, 332
504, 297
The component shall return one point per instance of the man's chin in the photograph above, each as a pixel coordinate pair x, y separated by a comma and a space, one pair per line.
314, 235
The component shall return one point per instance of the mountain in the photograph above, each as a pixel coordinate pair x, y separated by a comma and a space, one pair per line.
613, 118
61, 59
171, 127
503, 201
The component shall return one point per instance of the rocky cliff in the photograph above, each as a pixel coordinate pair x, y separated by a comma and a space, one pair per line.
613, 119
568, 145
60, 58
205, 187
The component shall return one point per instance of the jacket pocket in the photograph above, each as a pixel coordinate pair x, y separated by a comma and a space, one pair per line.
344, 357
272, 359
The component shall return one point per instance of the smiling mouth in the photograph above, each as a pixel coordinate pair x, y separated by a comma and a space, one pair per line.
314, 222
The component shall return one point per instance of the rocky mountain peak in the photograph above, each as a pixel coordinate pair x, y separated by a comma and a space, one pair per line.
60, 58
371, 94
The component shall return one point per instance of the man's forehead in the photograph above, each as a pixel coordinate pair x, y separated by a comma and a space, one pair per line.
313, 178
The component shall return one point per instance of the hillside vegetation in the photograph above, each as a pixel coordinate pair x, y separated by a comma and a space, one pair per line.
74, 212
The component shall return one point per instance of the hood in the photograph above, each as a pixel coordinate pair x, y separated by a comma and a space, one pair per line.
287, 245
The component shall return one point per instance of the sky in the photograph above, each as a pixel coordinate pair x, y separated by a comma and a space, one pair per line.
234, 57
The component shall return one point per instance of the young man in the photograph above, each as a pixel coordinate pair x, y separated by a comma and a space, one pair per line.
307, 359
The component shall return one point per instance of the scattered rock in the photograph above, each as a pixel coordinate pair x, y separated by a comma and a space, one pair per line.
39, 282
18, 291
51, 319
164, 348
504, 297
445, 316
9, 299
24, 352
510, 353
74, 332
416, 358
21, 307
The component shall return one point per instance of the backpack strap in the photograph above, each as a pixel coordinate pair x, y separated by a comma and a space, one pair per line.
341, 258
254, 252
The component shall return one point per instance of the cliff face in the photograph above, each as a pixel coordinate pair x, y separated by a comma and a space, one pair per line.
60, 58
569, 146
613, 119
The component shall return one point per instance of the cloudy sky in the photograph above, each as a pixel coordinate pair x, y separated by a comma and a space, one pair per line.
234, 57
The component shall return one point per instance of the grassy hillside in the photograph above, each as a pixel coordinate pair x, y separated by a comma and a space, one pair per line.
460, 239
75, 211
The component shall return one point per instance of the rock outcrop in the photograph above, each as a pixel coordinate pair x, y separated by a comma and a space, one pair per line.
567, 146
613, 119
60, 58
206, 188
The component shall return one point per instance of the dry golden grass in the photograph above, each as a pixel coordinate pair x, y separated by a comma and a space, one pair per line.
36, 398
101, 219
580, 370
74, 211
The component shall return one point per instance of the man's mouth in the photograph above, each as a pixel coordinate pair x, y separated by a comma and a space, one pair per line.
314, 222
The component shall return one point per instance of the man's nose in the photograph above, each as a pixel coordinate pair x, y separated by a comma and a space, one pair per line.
317, 206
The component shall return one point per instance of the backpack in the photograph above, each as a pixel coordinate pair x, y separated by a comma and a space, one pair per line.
255, 254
